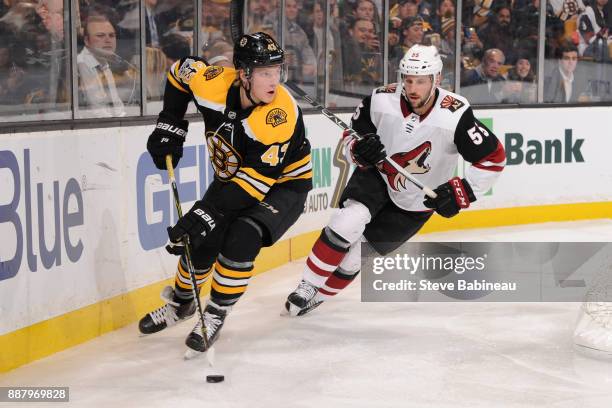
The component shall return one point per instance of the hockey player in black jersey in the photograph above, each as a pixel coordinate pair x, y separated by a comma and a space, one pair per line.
423, 128
261, 158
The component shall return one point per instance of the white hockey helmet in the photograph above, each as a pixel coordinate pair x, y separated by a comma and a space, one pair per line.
421, 60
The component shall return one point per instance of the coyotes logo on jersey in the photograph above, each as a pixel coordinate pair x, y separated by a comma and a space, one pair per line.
413, 161
451, 103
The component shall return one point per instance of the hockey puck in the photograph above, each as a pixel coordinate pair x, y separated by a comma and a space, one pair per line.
215, 378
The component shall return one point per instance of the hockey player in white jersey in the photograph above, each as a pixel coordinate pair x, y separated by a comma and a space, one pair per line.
423, 128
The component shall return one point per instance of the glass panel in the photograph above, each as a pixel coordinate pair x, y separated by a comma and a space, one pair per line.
577, 68
264, 15
299, 53
499, 52
169, 28
360, 53
34, 61
217, 41
108, 60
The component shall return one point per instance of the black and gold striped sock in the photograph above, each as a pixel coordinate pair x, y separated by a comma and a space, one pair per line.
230, 280
183, 292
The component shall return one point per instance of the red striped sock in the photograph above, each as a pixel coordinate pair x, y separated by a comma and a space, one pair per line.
335, 283
324, 258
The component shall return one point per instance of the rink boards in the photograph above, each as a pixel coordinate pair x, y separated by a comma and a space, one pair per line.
83, 213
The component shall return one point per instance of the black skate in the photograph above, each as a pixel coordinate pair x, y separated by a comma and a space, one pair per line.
214, 318
167, 315
303, 299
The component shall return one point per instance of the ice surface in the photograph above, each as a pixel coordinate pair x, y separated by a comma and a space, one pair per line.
349, 354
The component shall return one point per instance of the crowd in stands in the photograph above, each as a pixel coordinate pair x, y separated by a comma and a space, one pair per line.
498, 47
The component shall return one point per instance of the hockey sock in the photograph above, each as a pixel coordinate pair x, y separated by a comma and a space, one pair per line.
234, 266
183, 289
230, 280
337, 281
325, 256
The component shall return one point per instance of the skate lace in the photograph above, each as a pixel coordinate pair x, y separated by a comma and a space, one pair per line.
305, 290
165, 313
212, 322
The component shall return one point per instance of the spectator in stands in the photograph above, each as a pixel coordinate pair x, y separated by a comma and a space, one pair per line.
481, 12
520, 86
131, 23
446, 9
483, 84
593, 32
565, 83
447, 52
407, 8
215, 21
363, 61
55, 84
13, 86
262, 13
221, 54
412, 30
333, 45
97, 87
298, 54
366, 9
499, 33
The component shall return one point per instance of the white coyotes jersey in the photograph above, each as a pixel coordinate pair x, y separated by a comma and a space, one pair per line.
428, 145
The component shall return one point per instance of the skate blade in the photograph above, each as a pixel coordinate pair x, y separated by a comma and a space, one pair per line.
191, 354
290, 310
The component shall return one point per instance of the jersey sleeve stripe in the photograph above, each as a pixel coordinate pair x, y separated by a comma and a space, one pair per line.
304, 176
251, 172
298, 171
489, 168
253, 192
256, 184
293, 166
175, 83
494, 161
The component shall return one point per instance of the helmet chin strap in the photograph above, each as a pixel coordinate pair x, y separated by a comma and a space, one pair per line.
248, 90
433, 89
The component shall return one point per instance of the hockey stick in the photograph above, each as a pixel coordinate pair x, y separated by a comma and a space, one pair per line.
298, 91
236, 19
194, 282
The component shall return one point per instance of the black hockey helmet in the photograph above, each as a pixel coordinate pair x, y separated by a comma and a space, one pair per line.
257, 50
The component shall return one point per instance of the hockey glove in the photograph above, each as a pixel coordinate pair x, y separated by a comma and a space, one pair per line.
202, 223
167, 138
453, 196
368, 151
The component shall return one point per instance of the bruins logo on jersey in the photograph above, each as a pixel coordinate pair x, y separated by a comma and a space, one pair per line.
212, 72
188, 69
225, 160
451, 103
276, 117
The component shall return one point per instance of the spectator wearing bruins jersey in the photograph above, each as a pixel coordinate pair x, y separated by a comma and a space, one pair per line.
261, 158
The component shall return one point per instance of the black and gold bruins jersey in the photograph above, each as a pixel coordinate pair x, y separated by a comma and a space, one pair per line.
251, 150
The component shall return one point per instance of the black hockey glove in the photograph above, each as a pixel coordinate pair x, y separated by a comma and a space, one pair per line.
167, 138
368, 151
453, 196
202, 223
